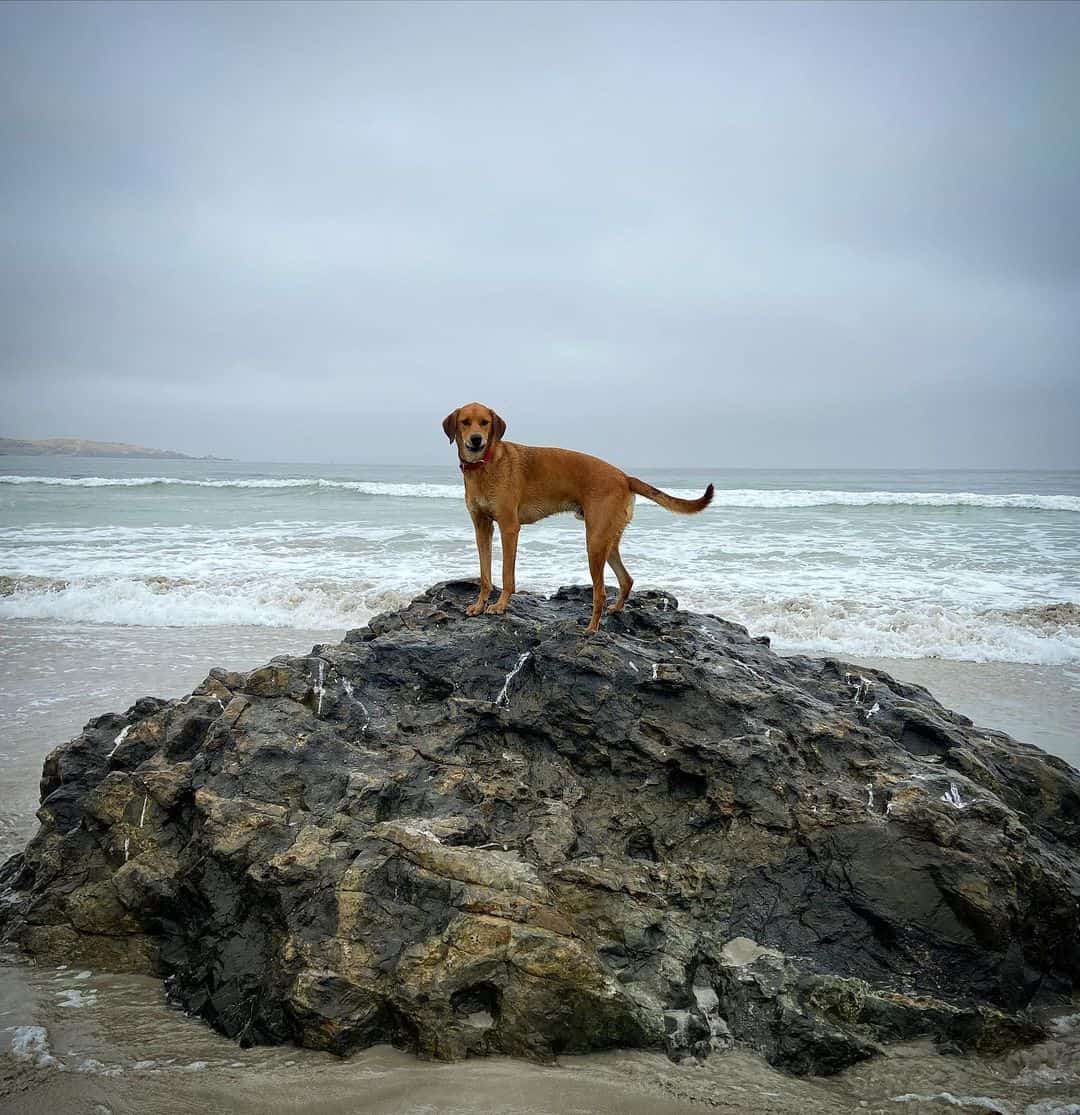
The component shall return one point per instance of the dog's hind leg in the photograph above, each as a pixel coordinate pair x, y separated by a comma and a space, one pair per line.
626, 582
604, 525
597, 556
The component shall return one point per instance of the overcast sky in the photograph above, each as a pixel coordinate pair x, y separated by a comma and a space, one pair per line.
761, 235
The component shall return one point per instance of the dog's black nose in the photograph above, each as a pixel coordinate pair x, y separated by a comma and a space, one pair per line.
476, 441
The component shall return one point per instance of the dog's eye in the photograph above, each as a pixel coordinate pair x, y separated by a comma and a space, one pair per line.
483, 422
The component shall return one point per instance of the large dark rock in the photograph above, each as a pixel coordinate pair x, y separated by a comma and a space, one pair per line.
494, 835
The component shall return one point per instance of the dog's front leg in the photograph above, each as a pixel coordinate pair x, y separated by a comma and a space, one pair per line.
508, 537
484, 528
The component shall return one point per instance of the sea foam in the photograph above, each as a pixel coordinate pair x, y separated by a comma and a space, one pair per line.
874, 627
905, 574
765, 498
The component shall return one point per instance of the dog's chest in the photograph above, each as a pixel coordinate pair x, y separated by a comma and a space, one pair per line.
479, 499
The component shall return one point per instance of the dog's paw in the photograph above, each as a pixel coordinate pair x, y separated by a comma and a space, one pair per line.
474, 609
496, 609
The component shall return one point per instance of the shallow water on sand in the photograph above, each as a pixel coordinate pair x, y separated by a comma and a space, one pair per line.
83, 1039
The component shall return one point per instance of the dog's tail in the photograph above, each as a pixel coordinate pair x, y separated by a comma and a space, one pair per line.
671, 503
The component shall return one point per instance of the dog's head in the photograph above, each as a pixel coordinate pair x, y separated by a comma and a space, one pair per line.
474, 427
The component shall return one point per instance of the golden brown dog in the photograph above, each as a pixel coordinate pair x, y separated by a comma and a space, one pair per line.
513, 484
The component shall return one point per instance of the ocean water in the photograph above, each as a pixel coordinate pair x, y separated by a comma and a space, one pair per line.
954, 565
120, 578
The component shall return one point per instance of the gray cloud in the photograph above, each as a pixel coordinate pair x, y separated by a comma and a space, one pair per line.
794, 234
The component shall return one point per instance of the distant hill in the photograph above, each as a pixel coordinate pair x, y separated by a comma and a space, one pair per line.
79, 447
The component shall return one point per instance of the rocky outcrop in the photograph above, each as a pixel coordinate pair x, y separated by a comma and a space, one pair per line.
484, 835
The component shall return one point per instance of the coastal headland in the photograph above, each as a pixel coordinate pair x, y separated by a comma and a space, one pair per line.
81, 447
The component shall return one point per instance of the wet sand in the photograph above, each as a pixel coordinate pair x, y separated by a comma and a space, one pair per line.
124, 1051
117, 1047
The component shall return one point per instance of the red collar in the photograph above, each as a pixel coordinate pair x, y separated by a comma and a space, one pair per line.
472, 466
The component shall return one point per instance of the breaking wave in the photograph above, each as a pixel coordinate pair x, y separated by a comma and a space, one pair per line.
1047, 635
909, 629
364, 487
169, 602
767, 498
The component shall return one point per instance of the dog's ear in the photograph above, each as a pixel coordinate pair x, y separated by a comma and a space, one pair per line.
499, 424
449, 424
